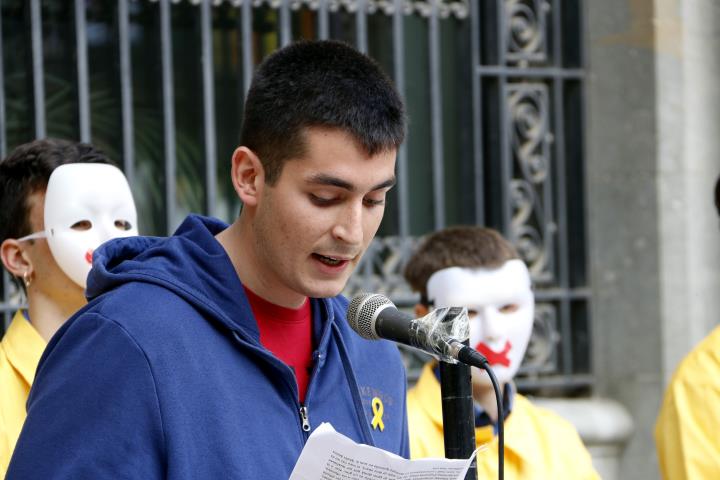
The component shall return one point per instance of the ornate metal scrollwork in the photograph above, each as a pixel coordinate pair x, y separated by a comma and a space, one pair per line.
380, 270
531, 228
525, 32
540, 356
459, 9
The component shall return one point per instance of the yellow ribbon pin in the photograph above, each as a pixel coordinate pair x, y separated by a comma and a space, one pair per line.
377, 408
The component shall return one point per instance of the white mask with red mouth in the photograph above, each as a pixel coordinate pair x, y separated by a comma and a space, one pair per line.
501, 305
86, 204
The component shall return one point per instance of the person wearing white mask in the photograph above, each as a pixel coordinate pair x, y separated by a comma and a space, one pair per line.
477, 268
59, 200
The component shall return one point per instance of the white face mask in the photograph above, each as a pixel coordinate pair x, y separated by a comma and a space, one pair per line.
86, 204
503, 303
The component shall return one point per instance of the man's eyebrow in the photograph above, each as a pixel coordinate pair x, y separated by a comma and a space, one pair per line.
324, 179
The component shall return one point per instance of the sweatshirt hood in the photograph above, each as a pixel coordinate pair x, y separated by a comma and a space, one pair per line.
191, 263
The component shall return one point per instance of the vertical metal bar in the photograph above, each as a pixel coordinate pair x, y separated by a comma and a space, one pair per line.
6, 303
506, 159
37, 64
580, 19
246, 34
126, 94
168, 113
285, 27
562, 232
399, 66
503, 28
361, 26
561, 193
323, 21
82, 71
3, 150
3, 123
557, 36
436, 120
237, 60
477, 135
208, 106
505, 116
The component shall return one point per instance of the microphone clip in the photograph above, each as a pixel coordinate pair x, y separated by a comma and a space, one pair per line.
441, 332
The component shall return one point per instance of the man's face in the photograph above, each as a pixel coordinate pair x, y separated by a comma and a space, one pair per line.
313, 225
500, 305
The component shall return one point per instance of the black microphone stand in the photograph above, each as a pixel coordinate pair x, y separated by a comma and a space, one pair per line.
468, 356
458, 413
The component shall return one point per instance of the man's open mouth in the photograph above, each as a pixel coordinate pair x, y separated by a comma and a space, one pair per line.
331, 261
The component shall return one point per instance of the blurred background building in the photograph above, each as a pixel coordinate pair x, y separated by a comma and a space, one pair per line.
585, 131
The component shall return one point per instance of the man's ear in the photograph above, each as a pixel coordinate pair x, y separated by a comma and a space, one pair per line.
248, 175
420, 310
15, 259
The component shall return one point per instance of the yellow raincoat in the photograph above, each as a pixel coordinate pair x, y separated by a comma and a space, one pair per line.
538, 443
20, 351
687, 431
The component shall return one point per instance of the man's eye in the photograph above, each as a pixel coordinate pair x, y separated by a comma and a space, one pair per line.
123, 225
321, 201
82, 225
374, 202
510, 308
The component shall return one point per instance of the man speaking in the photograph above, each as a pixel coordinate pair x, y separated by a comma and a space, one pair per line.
215, 352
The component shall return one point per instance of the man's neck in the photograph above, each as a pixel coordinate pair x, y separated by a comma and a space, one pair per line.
47, 315
241, 248
485, 397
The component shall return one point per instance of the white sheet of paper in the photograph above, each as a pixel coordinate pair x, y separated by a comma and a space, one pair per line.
329, 455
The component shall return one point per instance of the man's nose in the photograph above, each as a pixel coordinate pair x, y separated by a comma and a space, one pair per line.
348, 226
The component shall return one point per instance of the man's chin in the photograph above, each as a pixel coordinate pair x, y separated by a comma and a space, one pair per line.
328, 290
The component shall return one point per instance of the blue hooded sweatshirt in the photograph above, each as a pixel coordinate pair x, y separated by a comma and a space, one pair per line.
162, 375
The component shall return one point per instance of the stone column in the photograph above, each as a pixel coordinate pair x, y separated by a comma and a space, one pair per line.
623, 217
688, 105
653, 154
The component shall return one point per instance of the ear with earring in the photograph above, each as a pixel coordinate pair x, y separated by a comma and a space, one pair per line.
27, 279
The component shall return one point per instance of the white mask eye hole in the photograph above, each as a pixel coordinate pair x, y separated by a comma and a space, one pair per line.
123, 225
509, 308
82, 225
472, 313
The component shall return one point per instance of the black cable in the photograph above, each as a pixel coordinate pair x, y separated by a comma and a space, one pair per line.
471, 357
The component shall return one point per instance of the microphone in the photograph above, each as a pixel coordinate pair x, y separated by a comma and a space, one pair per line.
440, 332
374, 316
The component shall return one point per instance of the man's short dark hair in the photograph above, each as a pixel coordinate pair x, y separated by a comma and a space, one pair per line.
319, 84
27, 170
462, 246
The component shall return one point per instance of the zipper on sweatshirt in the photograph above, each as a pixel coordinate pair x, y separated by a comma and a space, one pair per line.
304, 418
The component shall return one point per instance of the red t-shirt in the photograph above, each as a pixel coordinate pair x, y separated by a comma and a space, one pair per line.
287, 333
